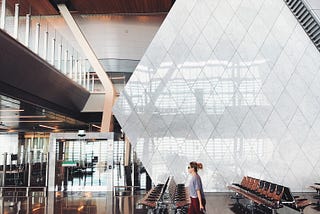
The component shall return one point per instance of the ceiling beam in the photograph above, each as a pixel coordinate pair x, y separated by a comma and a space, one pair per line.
98, 68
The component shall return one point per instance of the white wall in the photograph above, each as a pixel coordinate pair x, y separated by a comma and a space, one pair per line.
232, 84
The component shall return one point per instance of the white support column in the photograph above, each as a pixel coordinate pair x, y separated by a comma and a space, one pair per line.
65, 65
59, 57
80, 71
4, 169
3, 15
53, 51
98, 68
45, 45
132, 171
88, 80
76, 70
70, 67
92, 83
83, 73
27, 36
16, 21
36, 42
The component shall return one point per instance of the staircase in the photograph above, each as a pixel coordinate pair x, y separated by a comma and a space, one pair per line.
307, 20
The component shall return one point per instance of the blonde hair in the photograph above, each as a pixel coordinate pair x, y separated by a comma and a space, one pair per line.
196, 166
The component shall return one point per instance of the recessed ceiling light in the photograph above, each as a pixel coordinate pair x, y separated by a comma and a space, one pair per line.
48, 127
10, 110
26, 116
32, 121
99, 127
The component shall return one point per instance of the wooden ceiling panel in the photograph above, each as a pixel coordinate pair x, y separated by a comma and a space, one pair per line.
44, 7
33, 7
121, 6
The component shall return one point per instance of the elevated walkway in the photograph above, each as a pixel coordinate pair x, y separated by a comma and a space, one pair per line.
25, 76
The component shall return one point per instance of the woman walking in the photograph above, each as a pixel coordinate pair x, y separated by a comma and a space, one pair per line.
198, 201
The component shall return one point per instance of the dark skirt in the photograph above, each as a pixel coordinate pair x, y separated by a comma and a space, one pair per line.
194, 207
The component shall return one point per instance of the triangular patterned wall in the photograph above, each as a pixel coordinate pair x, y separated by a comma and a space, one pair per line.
233, 84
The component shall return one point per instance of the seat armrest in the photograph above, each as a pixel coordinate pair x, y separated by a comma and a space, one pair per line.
302, 199
287, 202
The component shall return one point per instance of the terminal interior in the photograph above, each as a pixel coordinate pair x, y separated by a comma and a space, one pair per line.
104, 104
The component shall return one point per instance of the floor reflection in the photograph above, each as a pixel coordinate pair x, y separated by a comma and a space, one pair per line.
106, 203
72, 203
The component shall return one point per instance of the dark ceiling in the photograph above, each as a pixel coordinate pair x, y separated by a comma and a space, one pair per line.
21, 116
34, 96
48, 7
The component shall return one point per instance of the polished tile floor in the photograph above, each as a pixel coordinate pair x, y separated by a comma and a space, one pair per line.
106, 203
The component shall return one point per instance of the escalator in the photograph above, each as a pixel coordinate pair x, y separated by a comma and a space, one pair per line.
307, 20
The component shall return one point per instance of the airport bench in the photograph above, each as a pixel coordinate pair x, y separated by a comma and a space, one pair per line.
267, 194
316, 186
179, 194
154, 196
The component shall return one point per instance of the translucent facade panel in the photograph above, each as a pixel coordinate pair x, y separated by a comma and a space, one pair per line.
9, 145
235, 87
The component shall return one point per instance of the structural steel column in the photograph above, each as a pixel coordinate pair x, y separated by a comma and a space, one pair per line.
59, 57
3, 15
53, 51
26, 41
65, 65
16, 21
36, 43
87, 50
45, 45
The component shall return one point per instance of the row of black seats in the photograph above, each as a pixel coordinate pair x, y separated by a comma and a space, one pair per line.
178, 194
155, 195
268, 194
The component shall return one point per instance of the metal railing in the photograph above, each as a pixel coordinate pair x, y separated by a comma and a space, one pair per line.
24, 177
37, 34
